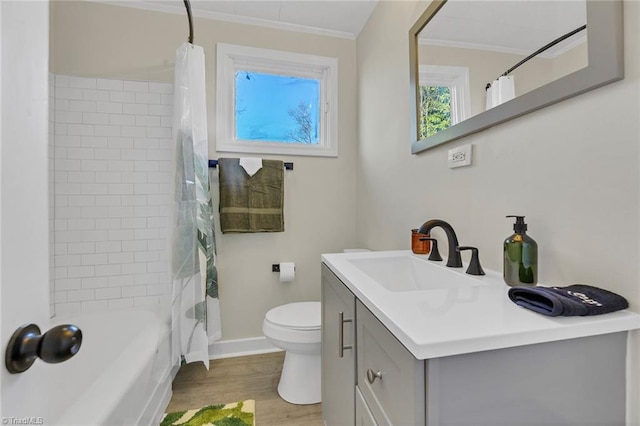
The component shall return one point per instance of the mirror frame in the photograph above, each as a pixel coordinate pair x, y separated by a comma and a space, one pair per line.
605, 65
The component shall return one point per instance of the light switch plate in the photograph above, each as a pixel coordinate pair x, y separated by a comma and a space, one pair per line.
459, 157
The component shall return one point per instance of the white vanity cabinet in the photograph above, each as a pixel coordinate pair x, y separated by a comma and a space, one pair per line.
573, 381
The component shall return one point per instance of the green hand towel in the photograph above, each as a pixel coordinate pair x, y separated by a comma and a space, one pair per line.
251, 203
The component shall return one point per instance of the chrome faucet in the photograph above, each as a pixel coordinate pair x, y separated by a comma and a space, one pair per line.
454, 259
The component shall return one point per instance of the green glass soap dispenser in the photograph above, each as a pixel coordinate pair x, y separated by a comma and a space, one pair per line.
520, 256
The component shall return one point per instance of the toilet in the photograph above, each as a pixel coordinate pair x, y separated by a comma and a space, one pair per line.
296, 328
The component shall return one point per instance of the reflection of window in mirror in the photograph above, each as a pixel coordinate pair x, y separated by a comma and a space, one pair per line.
489, 37
444, 98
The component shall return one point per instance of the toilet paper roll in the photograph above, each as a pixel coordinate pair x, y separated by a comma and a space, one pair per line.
287, 272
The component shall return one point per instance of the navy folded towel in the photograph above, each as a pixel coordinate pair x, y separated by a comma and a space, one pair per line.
574, 300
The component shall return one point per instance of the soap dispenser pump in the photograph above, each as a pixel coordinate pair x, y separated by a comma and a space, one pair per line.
520, 256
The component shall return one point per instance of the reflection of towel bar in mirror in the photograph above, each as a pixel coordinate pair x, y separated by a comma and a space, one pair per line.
214, 164
542, 49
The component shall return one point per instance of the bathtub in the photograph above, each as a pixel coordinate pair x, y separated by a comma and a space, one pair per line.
121, 375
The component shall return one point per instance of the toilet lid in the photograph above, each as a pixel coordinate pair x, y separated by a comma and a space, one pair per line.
300, 316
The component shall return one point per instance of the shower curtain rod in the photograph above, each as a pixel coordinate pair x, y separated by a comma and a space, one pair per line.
542, 49
188, 6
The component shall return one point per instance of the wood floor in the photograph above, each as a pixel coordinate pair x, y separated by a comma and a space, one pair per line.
234, 379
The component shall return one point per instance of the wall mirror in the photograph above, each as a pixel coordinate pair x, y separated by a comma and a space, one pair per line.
545, 51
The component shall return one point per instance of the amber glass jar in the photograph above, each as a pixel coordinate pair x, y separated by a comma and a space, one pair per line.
417, 246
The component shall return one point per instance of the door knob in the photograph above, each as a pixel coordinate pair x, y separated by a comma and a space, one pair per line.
56, 345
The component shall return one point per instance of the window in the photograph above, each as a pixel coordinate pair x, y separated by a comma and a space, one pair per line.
444, 98
274, 102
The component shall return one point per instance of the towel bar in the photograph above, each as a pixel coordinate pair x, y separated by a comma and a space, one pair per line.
214, 164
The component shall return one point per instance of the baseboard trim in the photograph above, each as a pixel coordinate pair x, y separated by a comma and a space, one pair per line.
241, 347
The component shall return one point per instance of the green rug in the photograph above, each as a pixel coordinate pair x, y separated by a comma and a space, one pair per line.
237, 414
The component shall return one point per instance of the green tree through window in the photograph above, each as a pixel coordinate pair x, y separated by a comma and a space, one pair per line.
435, 110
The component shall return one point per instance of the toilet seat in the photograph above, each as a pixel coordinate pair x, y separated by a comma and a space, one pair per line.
302, 316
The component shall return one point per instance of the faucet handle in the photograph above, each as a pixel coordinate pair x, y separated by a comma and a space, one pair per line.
434, 254
474, 265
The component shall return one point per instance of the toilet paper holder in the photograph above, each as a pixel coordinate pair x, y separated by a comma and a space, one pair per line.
275, 267
286, 270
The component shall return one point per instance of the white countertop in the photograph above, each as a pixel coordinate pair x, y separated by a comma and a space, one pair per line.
452, 321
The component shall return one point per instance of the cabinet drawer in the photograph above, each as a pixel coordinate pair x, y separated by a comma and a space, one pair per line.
390, 378
364, 417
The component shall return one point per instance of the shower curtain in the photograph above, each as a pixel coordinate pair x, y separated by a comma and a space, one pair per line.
195, 310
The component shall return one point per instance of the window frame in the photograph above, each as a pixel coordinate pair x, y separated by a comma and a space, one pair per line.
232, 58
457, 79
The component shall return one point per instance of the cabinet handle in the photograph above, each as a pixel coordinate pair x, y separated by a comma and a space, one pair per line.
371, 376
341, 346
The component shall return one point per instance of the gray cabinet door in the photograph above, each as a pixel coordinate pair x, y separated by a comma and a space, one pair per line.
391, 380
338, 366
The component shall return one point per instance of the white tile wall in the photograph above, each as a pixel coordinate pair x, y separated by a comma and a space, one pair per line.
111, 180
53, 249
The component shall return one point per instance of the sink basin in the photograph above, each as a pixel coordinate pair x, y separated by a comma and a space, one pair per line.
410, 273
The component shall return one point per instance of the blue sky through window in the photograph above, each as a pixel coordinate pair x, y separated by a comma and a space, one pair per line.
276, 108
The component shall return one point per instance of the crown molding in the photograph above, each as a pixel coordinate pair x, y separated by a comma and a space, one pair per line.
226, 17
